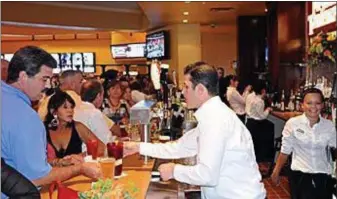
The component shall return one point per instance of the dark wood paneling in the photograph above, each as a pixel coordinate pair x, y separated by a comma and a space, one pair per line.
286, 29
251, 46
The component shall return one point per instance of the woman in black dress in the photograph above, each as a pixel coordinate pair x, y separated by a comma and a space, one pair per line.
65, 135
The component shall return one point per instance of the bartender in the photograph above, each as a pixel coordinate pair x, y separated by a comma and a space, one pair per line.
308, 138
226, 166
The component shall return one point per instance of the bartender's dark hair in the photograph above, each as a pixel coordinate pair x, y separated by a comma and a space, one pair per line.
202, 73
90, 89
313, 90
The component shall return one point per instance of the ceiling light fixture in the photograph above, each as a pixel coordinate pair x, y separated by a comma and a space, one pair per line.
185, 21
186, 13
266, 10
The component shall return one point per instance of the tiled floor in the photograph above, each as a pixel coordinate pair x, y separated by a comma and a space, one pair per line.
276, 192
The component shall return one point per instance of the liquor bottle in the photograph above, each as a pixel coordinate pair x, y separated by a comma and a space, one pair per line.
282, 101
291, 105
298, 101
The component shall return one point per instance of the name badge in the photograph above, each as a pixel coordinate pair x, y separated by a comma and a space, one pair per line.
300, 131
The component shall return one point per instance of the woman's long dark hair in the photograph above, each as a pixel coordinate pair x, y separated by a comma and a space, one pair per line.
55, 102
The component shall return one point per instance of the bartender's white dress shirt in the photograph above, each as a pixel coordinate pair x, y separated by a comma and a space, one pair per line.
94, 119
309, 145
255, 107
226, 167
236, 101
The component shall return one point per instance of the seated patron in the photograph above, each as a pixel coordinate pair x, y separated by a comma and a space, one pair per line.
114, 106
65, 135
92, 95
127, 96
23, 135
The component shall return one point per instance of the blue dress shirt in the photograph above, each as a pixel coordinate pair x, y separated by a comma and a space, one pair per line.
23, 135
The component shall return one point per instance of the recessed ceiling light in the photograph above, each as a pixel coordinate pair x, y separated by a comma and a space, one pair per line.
185, 21
203, 2
266, 10
186, 13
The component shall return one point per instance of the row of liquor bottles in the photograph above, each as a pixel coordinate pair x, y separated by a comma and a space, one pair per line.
293, 101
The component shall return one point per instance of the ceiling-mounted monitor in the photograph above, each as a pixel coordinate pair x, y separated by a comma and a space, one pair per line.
157, 45
126, 51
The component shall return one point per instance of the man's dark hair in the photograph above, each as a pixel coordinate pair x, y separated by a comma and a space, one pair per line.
312, 91
29, 59
90, 89
202, 73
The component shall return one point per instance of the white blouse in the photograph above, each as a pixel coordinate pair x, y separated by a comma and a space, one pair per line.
309, 146
255, 107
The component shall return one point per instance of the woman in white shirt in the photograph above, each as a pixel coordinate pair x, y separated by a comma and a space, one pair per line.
235, 99
262, 130
114, 106
308, 138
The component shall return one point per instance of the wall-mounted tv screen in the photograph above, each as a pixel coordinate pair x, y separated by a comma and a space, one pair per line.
77, 60
89, 62
157, 45
56, 56
8, 57
84, 62
125, 51
65, 61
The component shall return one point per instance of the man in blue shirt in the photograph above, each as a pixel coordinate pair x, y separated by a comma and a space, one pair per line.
23, 136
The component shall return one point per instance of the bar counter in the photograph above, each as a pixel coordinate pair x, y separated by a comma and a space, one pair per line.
285, 115
133, 166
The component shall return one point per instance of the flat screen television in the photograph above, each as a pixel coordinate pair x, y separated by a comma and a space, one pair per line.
89, 63
157, 45
65, 61
126, 51
56, 56
77, 61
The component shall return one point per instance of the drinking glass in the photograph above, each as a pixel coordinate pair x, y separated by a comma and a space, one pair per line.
115, 150
92, 146
108, 167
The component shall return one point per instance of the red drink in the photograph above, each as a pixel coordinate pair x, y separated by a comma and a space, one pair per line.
123, 131
92, 146
115, 150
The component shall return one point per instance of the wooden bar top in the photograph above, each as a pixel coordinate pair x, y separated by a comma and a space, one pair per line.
81, 183
285, 115
136, 162
133, 166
